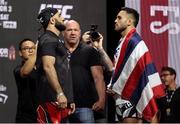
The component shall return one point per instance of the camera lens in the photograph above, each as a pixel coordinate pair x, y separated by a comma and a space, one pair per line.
93, 33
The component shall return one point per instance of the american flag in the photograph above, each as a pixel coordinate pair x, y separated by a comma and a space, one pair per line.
135, 77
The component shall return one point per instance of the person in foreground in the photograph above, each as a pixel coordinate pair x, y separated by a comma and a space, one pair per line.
87, 75
169, 105
135, 84
26, 78
55, 83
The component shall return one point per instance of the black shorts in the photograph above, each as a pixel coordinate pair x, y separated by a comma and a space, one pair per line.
126, 110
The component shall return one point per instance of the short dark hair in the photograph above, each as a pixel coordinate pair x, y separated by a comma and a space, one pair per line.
22, 41
169, 69
133, 12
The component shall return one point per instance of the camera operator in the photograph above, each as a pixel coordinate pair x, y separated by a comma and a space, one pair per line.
98, 45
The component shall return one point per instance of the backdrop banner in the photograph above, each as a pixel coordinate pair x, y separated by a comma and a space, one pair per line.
160, 28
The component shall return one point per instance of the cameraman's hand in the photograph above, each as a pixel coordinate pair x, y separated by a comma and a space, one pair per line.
96, 43
99, 42
86, 37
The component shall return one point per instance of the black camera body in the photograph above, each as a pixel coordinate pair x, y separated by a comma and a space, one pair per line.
93, 33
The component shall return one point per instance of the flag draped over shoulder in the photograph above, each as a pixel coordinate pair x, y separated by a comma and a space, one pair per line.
135, 77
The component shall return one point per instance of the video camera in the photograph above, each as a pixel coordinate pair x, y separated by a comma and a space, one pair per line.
94, 35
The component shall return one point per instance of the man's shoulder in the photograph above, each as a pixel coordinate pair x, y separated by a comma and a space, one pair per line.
178, 89
86, 47
83, 45
136, 37
17, 69
47, 37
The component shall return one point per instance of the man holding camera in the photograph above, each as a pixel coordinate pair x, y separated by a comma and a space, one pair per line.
87, 75
95, 39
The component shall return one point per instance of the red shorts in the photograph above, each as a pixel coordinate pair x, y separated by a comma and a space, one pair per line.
49, 113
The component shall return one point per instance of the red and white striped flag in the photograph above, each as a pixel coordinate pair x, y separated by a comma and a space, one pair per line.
135, 77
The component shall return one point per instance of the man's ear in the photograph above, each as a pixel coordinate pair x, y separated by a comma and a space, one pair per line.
174, 76
130, 21
52, 20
